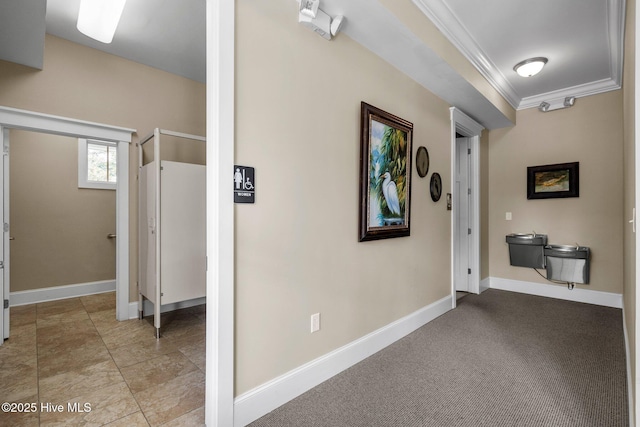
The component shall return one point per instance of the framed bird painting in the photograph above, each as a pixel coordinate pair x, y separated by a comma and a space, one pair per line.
385, 174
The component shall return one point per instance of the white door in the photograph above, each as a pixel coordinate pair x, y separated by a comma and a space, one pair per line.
4, 246
462, 259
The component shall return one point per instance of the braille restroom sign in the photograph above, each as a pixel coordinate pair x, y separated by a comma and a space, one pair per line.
244, 184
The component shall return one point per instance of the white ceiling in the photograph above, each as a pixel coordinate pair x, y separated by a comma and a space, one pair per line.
22, 29
572, 34
165, 34
581, 38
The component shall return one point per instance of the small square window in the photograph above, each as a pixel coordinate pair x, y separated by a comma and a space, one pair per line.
97, 164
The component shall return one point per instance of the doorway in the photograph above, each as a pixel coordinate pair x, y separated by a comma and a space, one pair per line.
465, 221
26, 120
463, 214
62, 215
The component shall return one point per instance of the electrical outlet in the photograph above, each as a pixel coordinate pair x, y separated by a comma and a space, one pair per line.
315, 322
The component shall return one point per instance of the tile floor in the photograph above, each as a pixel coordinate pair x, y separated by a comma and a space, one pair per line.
75, 352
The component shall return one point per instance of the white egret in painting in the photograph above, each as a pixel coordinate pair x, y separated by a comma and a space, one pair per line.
390, 193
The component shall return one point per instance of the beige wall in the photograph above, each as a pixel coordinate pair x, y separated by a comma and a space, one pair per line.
629, 189
60, 230
589, 133
86, 84
297, 251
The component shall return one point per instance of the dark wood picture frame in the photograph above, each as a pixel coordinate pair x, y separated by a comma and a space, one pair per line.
385, 174
553, 181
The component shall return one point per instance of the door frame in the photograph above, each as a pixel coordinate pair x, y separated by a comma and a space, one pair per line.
462, 173
467, 127
219, 384
11, 118
5, 331
634, 388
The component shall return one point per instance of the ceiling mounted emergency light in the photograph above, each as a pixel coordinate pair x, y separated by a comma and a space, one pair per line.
530, 67
99, 19
316, 20
557, 104
309, 7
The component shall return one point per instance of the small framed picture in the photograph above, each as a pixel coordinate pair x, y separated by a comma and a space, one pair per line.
553, 181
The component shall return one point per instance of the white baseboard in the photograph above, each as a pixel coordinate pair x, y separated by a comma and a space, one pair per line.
34, 296
263, 399
148, 306
607, 299
628, 359
485, 284
133, 310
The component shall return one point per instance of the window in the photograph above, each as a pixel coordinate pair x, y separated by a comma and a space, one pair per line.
97, 164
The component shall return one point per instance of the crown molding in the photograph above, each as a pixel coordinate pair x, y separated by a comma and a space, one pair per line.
447, 22
615, 15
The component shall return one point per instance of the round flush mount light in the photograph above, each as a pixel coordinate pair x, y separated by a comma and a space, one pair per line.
530, 67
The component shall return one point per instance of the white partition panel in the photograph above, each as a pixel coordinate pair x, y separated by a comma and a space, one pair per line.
172, 228
183, 246
146, 232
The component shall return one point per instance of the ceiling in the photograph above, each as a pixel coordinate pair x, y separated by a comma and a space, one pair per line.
165, 34
581, 38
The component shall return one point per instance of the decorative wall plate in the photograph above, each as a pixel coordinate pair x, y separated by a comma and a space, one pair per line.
422, 161
436, 186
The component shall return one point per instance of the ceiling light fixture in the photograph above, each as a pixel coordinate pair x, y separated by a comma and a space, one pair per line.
309, 7
316, 20
544, 106
99, 19
530, 67
569, 101
557, 104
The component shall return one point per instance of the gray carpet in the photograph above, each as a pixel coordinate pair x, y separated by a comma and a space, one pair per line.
498, 359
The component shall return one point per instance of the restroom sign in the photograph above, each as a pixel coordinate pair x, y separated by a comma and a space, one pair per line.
244, 184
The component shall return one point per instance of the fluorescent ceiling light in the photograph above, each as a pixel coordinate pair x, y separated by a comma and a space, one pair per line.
99, 19
530, 67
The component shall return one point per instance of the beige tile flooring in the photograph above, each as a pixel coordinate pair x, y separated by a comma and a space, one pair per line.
75, 351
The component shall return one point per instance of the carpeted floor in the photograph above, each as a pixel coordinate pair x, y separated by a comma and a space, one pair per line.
498, 359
